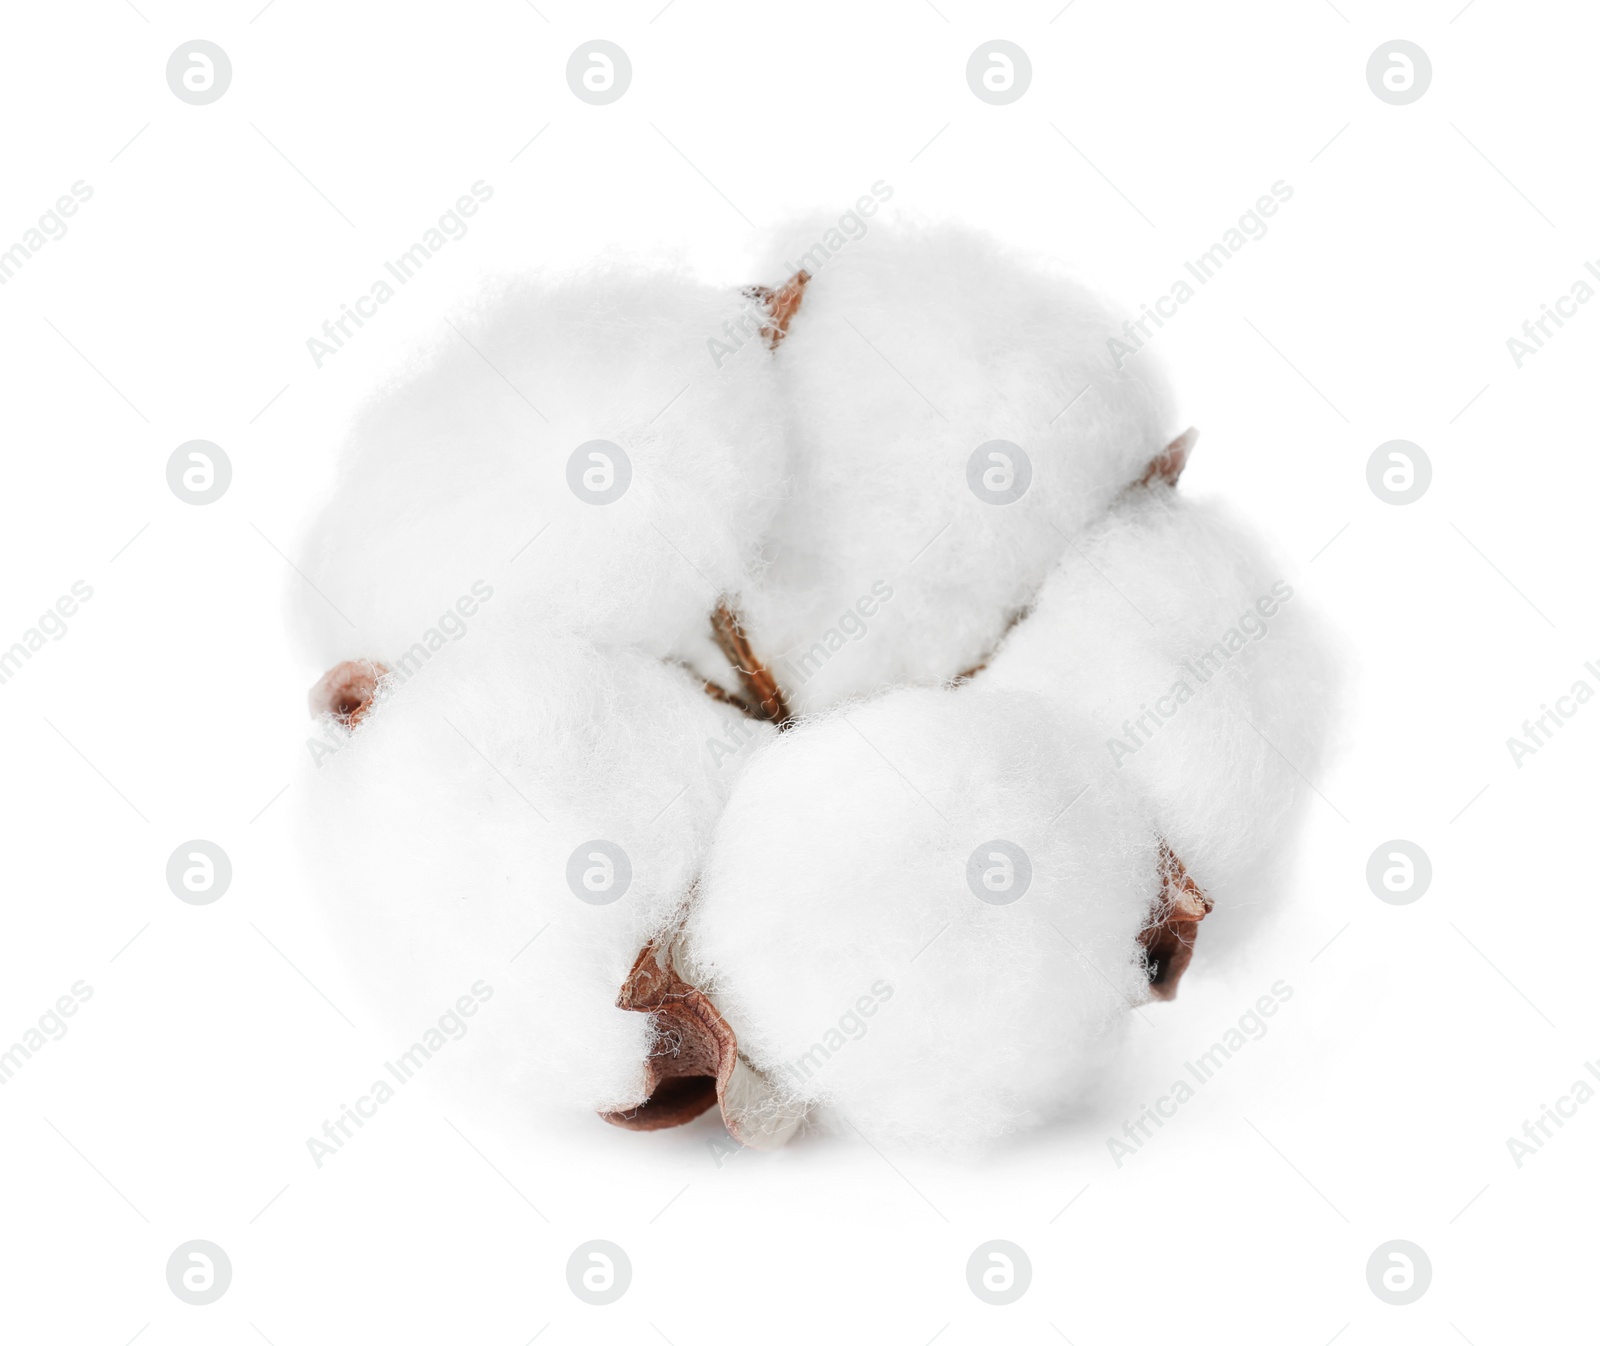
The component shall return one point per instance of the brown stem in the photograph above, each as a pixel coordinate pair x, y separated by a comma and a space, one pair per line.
764, 698
727, 698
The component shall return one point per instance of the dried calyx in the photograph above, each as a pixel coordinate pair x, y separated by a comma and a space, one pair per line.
1168, 940
781, 305
763, 699
346, 691
693, 1052
1167, 466
694, 1061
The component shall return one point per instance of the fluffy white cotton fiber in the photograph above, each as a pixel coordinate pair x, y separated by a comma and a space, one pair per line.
928, 377
839, 931
919, 908
442, 833
463, 472
1203, 673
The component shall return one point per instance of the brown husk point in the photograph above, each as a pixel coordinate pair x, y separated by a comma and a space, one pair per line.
693, 1053
346, 691
694, 1062
1169, 938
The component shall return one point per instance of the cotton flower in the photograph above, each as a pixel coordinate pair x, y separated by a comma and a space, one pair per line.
954, 418
529, 810
817, 701
920, 915
1173, 632
569, 444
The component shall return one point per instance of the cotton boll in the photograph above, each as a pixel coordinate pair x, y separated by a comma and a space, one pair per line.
450, 838
955, 414
1204, 674
461, 473
838, 931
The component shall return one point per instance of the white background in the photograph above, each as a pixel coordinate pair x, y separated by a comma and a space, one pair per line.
1378, 306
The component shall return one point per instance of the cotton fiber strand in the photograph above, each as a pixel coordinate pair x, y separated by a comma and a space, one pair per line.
912, 350
837, 930
441, 832
1203, 672
462, 472
843, 725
